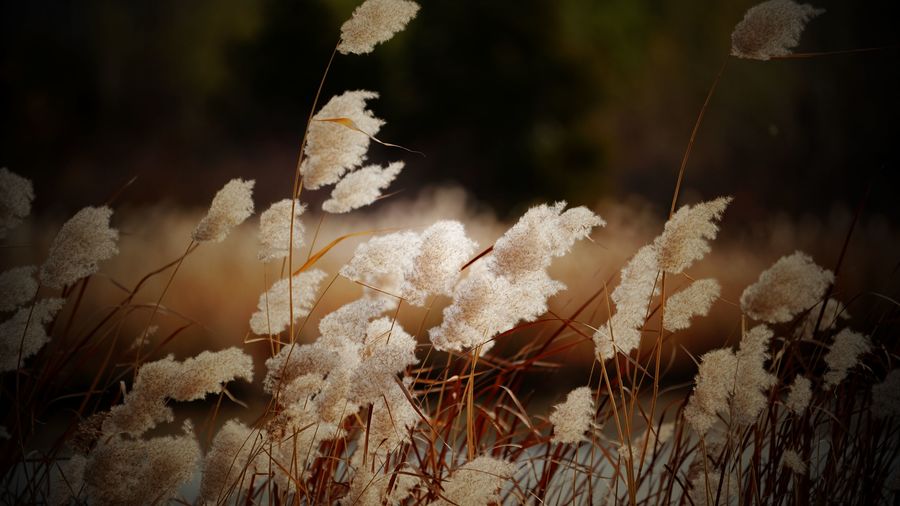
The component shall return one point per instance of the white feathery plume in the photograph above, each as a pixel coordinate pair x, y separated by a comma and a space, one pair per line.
229, 208
752, 379
285, 299
771, 29
685, 237
25, 333
351, 321
843, 355
144, 407
16, 195
387, 352
713, 385
799, 395
140, 471
793, 461
17, 286
794, 283
572, 419
361, 187
476, 482
695, 300
445, 248
374, 22
229, 462
275, 229
512, 284
542, 233
631, 298
485, 304
332, 146
382, 262
392, 419
81, 244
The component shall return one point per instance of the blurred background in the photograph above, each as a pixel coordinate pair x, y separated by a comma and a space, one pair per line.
517, 102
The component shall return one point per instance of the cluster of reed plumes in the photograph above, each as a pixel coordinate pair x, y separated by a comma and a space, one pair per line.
363, 411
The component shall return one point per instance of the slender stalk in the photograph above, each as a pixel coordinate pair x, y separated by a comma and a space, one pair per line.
690, 146
137, 353
295, 193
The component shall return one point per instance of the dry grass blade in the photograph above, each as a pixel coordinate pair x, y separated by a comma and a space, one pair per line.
349, 123
319, 254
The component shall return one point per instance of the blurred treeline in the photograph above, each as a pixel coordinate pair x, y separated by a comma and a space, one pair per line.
516, 100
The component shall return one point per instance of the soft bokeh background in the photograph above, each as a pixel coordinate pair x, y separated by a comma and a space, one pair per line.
515, 102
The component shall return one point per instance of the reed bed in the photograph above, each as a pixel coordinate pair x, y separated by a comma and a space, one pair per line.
430, 384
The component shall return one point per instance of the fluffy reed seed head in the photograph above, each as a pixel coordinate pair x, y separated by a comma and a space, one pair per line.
695, 300
361, 187
323, 369
26, 330
81, 244
572, 419
383, 262
374, 22
284, 299
542, 233
799, 395
228, 464
771, 29
752, 379
685, 237
412, 266
393, 417
230, 207
320, 357
334, 403
794, 462
512, 285
17, 286
387, 352
445, 248
351, 321
631, 298
302, 390
140, 471
713, 385
333, 148
145, 406
683, 241
275, 230
16, 195
476, 482
485, 304
793, 283
843, 355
